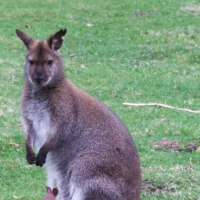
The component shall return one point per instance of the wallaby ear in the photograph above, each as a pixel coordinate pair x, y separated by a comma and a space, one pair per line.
25, 38
55, 192
55, 41
48, 189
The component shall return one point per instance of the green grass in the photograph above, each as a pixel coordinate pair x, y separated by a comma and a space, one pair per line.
152, 56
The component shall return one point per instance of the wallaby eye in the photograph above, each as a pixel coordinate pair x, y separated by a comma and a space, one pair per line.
31, 62
49, 62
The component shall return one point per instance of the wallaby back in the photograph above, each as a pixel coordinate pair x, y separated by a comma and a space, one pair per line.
87, 151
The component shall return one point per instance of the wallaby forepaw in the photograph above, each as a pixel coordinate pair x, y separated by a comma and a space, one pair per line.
40, 160
31, 158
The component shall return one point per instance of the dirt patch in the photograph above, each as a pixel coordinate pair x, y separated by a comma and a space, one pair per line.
149, 186
191, 9
175, 145
145, 12
176, 133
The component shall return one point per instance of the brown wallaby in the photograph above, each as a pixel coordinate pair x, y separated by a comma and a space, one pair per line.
87, 151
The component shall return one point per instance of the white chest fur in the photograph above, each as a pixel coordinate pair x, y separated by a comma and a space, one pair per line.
38, 113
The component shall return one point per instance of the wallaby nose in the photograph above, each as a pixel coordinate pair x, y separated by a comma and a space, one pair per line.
39, 79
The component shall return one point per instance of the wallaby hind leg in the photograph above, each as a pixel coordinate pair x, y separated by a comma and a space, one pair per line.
102, 189
95, 188
100, 195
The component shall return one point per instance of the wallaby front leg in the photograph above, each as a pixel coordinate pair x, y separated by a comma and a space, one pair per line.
29, 135
49, 145
30, 155
42, 154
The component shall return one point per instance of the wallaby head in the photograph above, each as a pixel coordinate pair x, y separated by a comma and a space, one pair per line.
43, 62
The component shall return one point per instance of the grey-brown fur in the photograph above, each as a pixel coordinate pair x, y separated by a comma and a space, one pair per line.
91, 151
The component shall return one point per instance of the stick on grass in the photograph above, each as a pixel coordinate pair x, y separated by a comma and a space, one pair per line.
163, 106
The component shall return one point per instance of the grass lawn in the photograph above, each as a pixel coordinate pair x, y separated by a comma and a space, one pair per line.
118, 51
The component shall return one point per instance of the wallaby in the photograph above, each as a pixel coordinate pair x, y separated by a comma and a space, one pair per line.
87, 151
51, 194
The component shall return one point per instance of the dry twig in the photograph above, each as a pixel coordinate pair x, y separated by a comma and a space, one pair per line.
163, 106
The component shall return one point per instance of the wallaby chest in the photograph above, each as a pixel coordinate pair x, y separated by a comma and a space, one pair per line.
38, 113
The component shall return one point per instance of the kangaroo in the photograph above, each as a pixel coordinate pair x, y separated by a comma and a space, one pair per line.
87, 151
